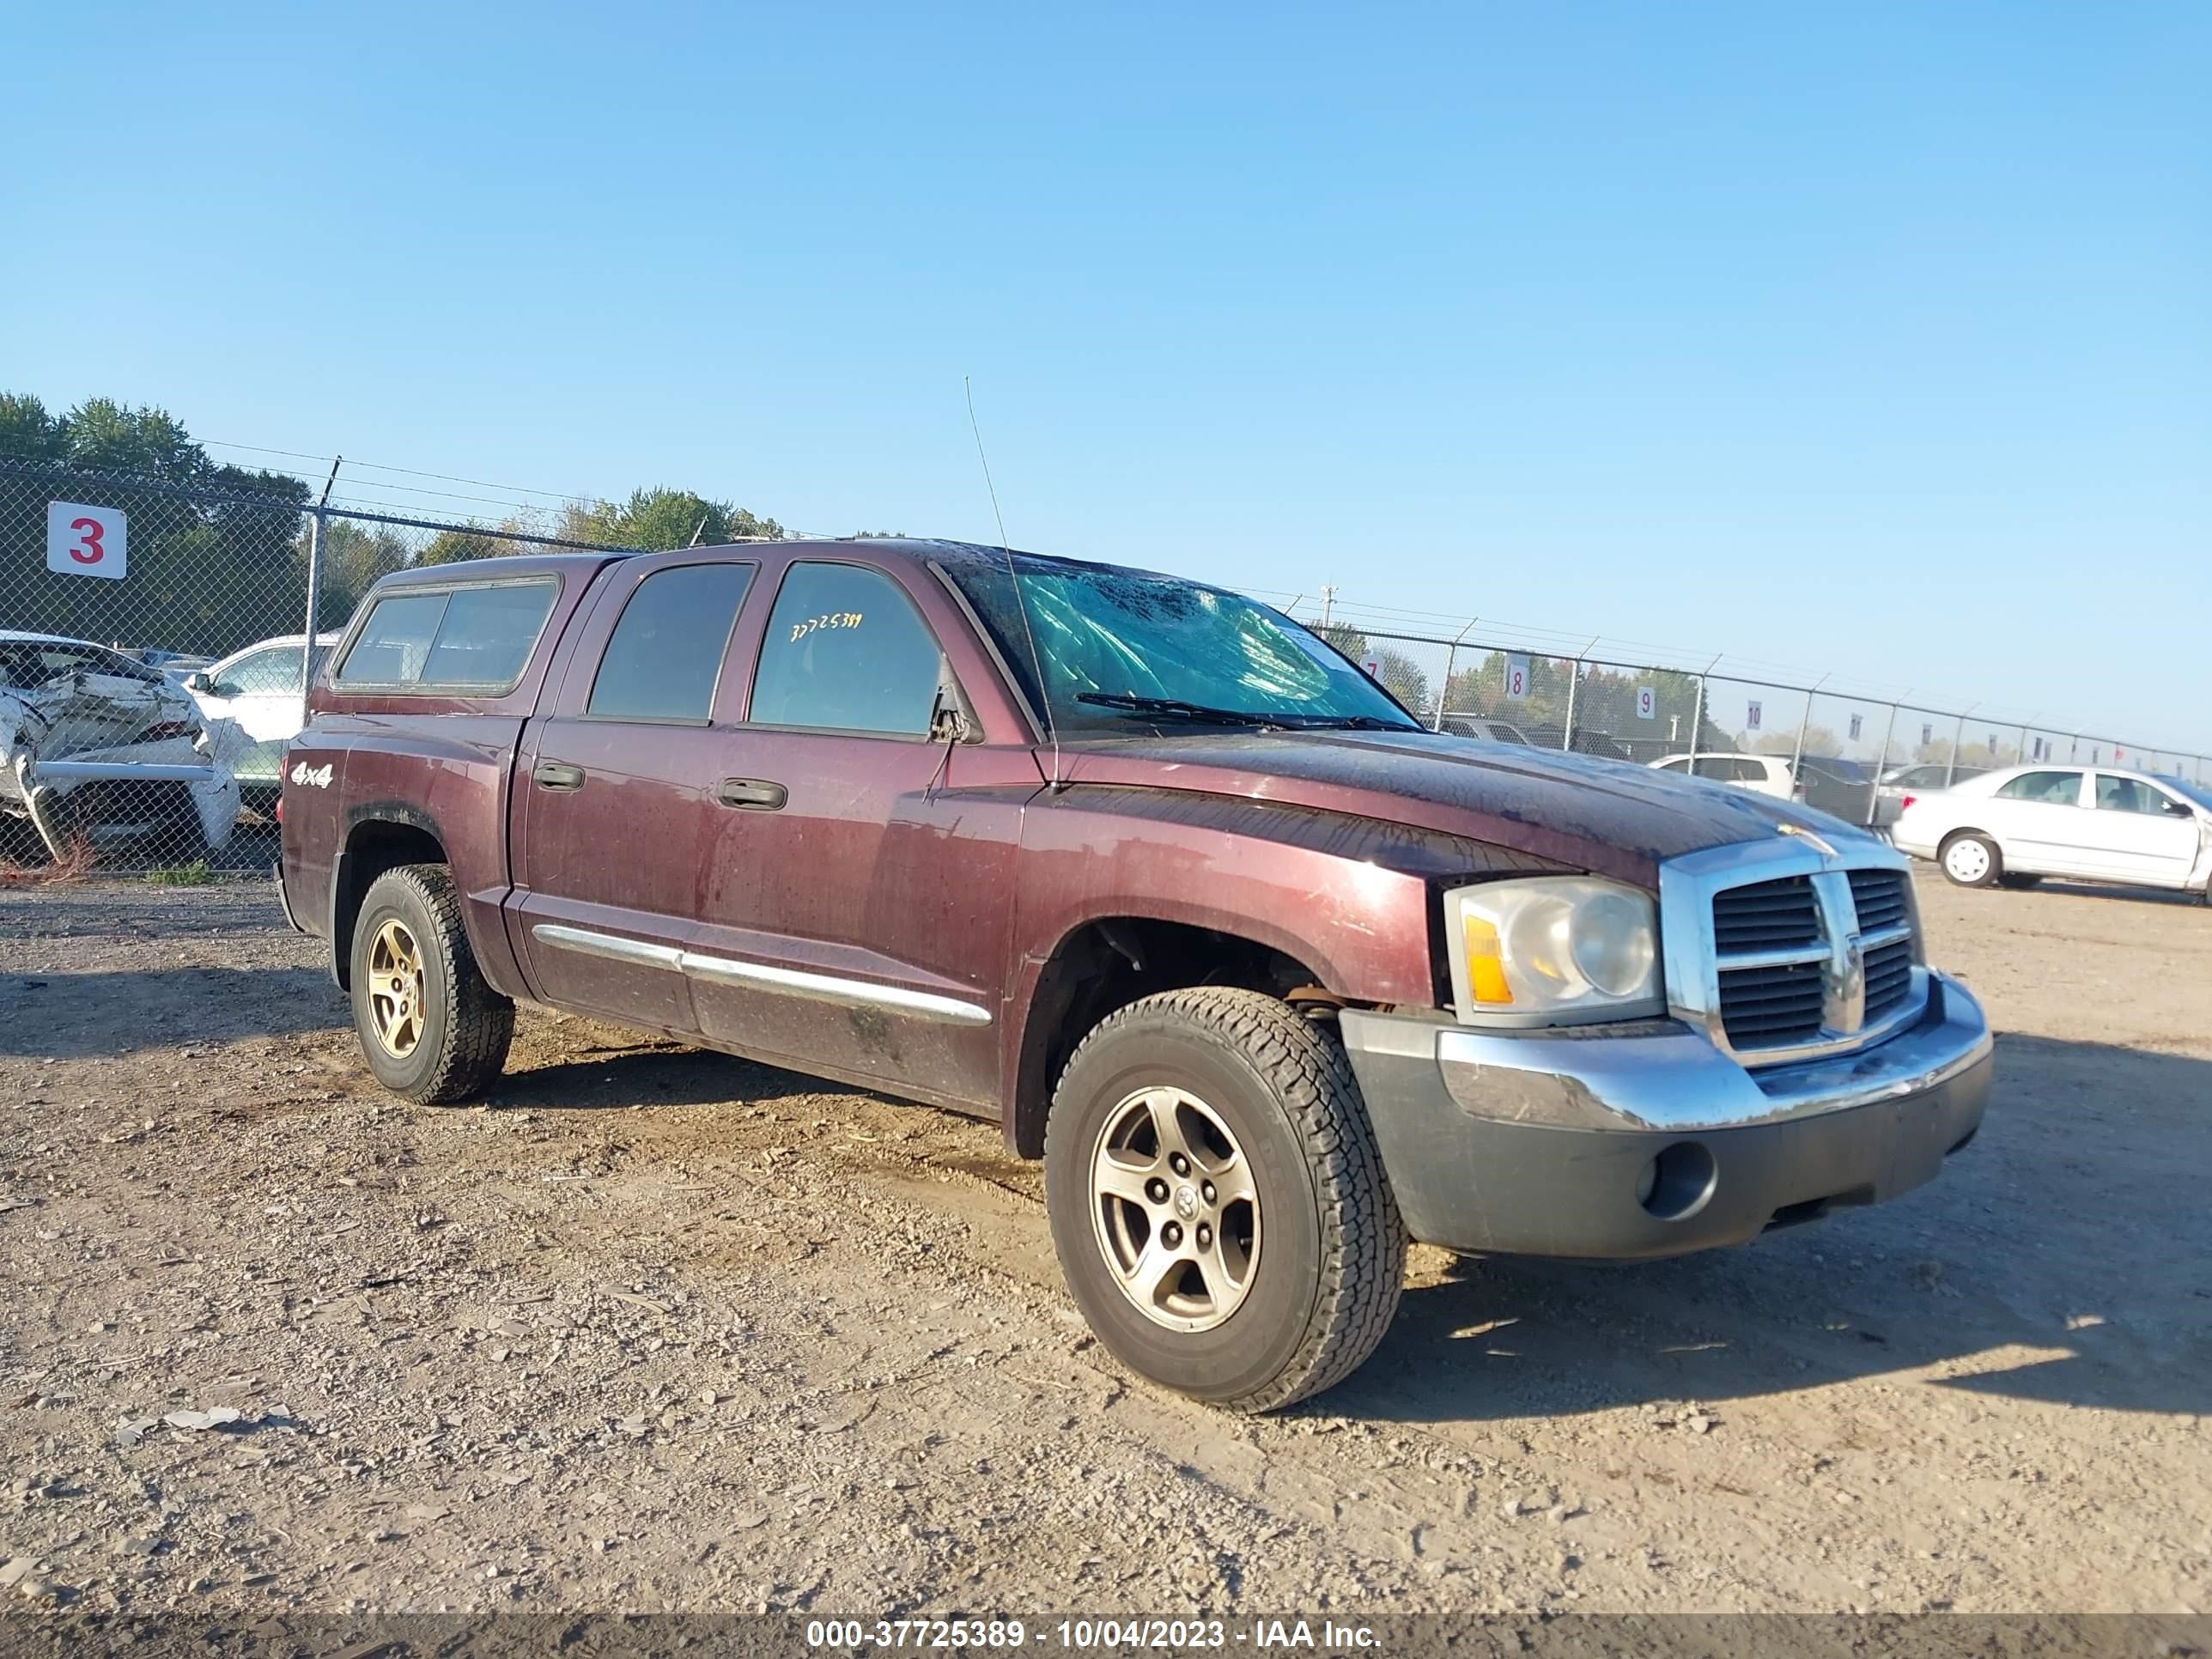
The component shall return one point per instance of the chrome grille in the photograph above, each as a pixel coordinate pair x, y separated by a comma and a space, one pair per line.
1785, 980
1888, 978
1766, 915
1763, 1007
1878, 896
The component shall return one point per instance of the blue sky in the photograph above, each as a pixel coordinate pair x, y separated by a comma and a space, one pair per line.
1872, 338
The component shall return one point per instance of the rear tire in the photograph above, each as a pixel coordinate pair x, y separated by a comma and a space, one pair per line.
1971, 860
1277, 1283
431, 1027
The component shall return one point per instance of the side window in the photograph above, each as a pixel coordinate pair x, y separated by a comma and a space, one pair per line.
2051, 788
265, 672
2127, 795
1746, 771
394, 642
476, 637
845, 650
487, 633
665, 654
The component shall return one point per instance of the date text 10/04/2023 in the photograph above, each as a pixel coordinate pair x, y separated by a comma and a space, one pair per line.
1086, 1634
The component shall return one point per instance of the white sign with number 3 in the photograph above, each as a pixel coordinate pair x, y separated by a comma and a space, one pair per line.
87, 541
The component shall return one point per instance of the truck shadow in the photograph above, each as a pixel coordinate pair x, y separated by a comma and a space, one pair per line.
2064, 1258
82, 1016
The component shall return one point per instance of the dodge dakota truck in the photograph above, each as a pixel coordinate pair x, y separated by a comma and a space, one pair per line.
1270, 978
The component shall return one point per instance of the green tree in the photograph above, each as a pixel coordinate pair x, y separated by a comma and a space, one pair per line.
354, 556
451, 546
663, 517
28, 432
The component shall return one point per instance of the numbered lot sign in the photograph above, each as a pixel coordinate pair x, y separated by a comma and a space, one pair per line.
1855, 728
1751, 716
1516, 678
87, 541
1647, 703
1373, 667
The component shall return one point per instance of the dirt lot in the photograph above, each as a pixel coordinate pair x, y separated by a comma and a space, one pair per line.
662, 1330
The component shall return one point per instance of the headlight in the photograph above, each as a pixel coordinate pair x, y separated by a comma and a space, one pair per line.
1552, 950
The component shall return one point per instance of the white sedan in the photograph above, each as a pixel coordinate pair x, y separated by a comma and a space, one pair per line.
259, 687
2024, 823
1763, 774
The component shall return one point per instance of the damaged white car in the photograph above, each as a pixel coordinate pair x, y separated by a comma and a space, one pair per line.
98, 748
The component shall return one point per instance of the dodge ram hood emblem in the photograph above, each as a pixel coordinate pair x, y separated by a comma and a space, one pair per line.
1803, 834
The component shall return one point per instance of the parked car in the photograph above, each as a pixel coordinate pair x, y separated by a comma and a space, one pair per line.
260, 688
1844, 788
1270, 976
1490, 731
95, 745
2019, 825
1920, 778
1762, 775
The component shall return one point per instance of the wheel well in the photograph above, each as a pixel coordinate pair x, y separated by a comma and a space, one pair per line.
374, 847
1105, 965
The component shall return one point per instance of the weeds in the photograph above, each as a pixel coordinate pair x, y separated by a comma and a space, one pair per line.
198, 874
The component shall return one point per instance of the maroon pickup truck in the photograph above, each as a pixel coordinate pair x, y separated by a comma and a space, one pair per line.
1270, 977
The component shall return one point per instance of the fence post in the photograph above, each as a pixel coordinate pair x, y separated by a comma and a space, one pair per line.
2020, 749
1958, 736
1797, 755
315, 584
1443, 691
1873, 795
314, 597
1698, 716
1574, 685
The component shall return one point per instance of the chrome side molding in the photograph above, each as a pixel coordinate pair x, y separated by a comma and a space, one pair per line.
787, 981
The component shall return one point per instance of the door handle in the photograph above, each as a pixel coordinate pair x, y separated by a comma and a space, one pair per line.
751, 794
558, 776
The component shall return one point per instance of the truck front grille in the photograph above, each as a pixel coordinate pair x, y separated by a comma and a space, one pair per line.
1778, 946
1888, 978
1771, 1007
1766, 915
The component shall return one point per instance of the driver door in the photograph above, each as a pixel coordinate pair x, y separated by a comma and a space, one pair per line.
2139, 833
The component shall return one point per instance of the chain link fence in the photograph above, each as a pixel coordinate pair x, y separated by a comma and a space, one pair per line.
154, 650
155, 653
1852, 753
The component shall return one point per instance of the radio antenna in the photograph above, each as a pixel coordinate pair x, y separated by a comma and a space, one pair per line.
1013, 577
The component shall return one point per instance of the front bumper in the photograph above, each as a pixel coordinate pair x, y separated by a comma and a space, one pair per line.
1647, 1140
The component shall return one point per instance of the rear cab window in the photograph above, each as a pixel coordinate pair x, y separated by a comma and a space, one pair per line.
474, 638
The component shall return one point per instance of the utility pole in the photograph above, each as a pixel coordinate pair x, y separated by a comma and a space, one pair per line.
1328, 598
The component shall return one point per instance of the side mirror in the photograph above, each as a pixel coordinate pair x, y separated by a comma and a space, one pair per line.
950, 720
198, 681
2178, 809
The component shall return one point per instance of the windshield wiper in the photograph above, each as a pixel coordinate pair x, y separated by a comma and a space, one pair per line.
1176, 706
1345, 723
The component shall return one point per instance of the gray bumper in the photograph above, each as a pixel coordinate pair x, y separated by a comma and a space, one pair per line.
1647, 1140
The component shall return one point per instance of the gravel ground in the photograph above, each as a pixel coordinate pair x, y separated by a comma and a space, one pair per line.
660, 1330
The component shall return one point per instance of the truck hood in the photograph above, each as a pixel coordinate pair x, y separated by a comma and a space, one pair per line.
1608, 816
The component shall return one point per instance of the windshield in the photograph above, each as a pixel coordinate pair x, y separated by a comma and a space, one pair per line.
1125, 649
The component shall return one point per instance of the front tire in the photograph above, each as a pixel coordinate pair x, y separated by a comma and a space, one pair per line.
1218, 1201
1971, 860
431, 1027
